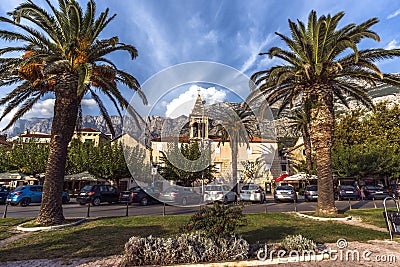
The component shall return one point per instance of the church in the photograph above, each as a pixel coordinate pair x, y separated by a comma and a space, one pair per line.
221, 150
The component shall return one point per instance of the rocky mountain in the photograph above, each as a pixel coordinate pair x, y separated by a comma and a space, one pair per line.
156, 123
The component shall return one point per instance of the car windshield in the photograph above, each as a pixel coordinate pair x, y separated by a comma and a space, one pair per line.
213, 188
347, 188
19, 188
284, 188
172, 190
312, 188
136, 189
371, 187
250, 187
86, 188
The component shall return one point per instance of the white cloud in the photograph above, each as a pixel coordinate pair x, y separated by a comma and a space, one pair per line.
395, 14
42, 109
183, 104
4, 122
255, 47
156, 36
392, 45
89, 103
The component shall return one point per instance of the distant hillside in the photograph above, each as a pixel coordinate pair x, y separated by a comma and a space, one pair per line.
43, 125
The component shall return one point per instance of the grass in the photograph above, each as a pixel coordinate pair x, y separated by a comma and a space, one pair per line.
107, 236
7, 226
369, 216
273, 227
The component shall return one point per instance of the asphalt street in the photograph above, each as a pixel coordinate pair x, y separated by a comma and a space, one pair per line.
73, 209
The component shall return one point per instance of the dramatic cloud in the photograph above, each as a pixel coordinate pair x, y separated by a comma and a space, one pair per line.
183, 104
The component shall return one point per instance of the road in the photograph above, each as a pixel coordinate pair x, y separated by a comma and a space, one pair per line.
73, 209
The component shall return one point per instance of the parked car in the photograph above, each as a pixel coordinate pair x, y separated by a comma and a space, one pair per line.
311, 193
180, 195
219, 192
375, 192
285, 192
97, 194
253, 193
144, 196
395, 190
347, 192
3, 195
26, 194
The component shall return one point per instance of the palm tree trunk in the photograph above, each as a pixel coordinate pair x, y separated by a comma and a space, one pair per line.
321, 135
65, 114
307, 149
234, 151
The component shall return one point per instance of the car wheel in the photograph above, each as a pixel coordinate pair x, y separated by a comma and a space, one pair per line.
225, 201
25, 202
144, 201
96, 201
184, 201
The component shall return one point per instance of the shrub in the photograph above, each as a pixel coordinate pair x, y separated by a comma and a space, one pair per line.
185, 248
298, 243
216, 221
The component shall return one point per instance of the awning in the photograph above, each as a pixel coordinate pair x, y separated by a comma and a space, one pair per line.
295, 178
280, 178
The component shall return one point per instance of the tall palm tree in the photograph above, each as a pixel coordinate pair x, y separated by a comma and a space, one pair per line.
323, 64
300, 122
62, 57
236, 125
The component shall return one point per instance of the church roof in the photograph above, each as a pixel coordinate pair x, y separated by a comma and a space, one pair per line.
198, 109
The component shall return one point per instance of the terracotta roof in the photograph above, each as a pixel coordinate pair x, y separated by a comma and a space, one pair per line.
92, 130
36, 135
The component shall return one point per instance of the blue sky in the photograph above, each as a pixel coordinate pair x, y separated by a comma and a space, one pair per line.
169, 32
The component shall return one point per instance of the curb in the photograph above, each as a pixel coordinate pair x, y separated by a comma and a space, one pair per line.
323, 219
45, 228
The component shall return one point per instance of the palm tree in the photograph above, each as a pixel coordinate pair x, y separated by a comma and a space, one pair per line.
322, 64
300, 123
62, 56
236, 125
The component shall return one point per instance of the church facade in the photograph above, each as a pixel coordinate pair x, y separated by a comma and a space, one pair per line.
221, 151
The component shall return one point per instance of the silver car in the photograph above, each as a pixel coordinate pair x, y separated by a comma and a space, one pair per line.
285, 192
311, 193
253, 193
219, 192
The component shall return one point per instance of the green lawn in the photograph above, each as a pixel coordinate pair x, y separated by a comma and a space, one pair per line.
105, 237
370, 216
7, 227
